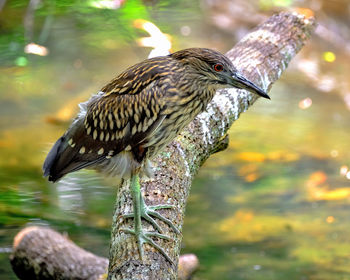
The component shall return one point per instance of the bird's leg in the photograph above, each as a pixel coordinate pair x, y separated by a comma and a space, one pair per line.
142, 210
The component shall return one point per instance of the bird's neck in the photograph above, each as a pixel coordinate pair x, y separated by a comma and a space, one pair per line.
197, 86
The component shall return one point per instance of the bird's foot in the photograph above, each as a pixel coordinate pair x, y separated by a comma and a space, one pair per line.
143, 237
148, 212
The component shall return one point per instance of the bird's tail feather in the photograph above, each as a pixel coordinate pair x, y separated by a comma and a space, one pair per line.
65, 158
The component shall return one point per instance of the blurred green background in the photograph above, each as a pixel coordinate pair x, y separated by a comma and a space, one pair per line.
274, 205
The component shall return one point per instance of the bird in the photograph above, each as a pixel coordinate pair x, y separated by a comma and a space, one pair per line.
130, 120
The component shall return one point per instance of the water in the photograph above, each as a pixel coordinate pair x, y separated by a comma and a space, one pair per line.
273, 205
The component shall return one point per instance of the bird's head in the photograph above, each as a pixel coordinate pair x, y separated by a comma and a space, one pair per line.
216, 69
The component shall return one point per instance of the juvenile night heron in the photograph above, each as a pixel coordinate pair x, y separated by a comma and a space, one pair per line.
136, 115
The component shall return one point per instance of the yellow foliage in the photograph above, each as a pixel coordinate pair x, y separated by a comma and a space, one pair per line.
319, 190
246, 225
325, 194
252, 156
249, 172
251, 177
316, 179
330, 219
282, 156
241, 216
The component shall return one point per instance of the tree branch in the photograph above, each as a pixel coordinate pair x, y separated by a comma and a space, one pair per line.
261, 56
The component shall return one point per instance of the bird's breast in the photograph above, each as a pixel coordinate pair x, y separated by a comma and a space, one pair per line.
179, 112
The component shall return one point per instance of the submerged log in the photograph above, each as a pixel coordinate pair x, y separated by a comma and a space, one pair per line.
42, 253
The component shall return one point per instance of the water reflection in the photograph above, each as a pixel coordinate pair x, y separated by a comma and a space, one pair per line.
69, 196
273, 205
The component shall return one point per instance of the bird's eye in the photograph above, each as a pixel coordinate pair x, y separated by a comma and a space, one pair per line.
218, 67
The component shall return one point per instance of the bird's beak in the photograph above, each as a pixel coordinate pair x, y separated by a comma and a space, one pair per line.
241, 82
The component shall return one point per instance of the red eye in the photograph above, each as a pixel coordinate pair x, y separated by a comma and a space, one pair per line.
218, 67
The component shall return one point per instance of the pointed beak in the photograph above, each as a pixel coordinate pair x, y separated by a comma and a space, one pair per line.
241, 82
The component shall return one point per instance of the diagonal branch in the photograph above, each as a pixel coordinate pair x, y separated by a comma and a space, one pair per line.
261, 56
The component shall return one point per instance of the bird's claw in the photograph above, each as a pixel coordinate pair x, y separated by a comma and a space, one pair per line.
143, 237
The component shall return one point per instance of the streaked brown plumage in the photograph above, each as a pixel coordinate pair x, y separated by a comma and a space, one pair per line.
141, 111
136, 115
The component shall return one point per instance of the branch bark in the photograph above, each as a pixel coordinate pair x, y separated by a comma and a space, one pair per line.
261, 56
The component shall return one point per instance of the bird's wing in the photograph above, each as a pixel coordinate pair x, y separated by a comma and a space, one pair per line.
122, 120
113, 121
